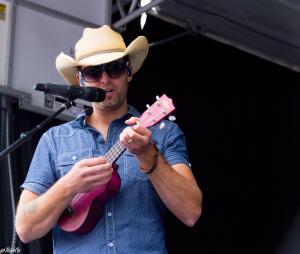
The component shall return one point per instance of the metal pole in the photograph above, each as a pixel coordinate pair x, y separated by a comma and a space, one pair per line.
132, 6
157, 43
136, 13
10, 43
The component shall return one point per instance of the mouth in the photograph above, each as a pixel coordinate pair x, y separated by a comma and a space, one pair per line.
109, 92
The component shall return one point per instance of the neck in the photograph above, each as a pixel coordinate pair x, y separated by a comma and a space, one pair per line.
102, 117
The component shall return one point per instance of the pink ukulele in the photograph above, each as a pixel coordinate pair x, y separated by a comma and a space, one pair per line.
85, 209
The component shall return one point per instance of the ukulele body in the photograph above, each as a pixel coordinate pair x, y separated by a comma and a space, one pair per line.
85, 209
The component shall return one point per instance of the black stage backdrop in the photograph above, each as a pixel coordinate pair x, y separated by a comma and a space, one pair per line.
241, 119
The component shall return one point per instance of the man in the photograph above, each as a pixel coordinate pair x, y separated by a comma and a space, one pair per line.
69, 159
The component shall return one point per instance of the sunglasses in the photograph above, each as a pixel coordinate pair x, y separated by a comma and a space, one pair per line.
113, 69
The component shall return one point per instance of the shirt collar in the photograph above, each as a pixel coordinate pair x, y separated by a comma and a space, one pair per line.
80, 118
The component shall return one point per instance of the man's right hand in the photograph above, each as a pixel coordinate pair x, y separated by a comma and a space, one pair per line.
88, 174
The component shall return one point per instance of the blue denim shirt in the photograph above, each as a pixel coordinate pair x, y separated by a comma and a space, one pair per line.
131, 221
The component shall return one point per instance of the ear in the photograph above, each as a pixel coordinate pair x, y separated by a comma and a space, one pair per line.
129, 74
129, 71
129, 78
77, 78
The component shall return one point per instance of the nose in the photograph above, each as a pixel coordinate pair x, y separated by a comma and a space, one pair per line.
104, 78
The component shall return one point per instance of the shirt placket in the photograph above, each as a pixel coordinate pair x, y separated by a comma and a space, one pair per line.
110, 230
109, 214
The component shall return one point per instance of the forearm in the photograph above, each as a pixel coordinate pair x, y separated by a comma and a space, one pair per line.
181, 195
177, 189
36, 217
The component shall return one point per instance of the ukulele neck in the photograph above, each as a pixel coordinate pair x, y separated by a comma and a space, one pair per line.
115, 152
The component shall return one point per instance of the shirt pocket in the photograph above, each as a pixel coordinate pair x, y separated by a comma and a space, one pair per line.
67, 160
132, 167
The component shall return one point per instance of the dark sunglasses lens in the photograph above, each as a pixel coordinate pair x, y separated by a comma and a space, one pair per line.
92, 73
116, 69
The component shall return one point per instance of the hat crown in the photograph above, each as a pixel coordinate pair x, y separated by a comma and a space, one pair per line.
98, 40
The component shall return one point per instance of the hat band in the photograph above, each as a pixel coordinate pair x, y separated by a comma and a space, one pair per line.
99, 52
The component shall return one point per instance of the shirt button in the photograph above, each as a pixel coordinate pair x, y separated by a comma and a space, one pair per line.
74, 158
109, 214
111, 244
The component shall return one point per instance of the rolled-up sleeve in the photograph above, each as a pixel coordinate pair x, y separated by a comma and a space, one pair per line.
175, 149
41, 174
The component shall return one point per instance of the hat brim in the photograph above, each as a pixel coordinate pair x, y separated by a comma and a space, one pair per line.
137, 52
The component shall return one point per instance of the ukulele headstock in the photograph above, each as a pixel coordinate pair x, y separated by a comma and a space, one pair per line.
159, 110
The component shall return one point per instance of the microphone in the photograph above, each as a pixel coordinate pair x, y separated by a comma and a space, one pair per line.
72, 92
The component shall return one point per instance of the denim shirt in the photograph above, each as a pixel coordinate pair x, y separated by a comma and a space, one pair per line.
131, 221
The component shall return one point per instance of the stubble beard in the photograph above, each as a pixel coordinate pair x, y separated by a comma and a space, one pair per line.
111, 104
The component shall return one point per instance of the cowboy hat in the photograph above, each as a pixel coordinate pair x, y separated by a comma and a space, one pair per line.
99, 46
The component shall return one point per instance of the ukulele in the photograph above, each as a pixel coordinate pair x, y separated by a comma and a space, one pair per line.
84, 211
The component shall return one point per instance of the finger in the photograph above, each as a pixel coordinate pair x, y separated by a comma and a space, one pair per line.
143, 136
126, 137
98, 177
97, 180
136, 132
98, 169
92, 161
122, 137
90, 178
130, 133
102, 182
138, 128
132, 120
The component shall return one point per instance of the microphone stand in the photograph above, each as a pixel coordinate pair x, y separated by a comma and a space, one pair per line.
25, 136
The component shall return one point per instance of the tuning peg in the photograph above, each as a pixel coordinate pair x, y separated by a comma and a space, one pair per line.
172, 118
157, 100
148, 111
162, 125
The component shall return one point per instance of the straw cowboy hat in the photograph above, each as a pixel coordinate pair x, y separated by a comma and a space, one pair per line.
99, 46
